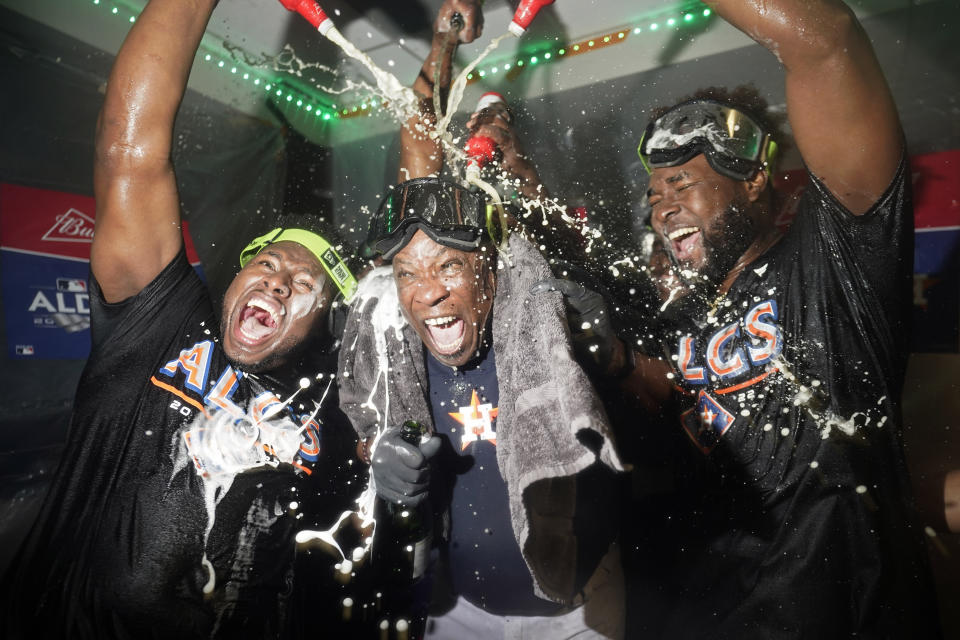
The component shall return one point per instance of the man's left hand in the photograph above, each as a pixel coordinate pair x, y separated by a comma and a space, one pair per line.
594, 339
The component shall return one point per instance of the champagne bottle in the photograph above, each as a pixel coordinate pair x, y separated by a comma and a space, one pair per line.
525, 14
481, 150
404, 534
401, 552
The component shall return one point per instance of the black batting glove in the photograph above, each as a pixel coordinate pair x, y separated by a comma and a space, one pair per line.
401, 470
594, 339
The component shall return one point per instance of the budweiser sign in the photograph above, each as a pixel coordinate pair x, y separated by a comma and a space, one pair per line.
72, 226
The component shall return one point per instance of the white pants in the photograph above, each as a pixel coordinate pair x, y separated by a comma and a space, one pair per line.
603, 606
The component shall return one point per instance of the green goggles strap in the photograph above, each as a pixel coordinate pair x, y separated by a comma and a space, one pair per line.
643, 158
332, 263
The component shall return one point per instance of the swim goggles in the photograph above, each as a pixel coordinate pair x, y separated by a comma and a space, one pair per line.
329, 259
734, 144
449, 214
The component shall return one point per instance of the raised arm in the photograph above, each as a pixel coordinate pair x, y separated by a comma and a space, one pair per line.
138, 208
838, 103
420, 154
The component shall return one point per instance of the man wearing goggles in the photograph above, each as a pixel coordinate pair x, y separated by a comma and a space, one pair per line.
484, 362
734, 144
119, 549
732, 147
447, 213
786, 357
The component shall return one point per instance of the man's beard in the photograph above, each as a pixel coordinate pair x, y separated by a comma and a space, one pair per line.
725, 240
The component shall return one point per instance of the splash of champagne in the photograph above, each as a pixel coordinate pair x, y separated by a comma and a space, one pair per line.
223, 445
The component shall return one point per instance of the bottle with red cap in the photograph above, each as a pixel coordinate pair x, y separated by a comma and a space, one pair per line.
525, 14
313, 13
481, 150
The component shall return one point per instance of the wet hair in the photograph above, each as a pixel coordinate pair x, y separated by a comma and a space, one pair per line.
745, 98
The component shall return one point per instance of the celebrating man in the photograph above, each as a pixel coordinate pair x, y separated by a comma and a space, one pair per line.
788, 355
452, 337
151, 529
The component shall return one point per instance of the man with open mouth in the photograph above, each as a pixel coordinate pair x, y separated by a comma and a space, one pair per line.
450, 335
128, 543
785, 360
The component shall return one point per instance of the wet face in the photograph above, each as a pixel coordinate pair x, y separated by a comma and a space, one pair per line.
446, 295
273, 306
703, 217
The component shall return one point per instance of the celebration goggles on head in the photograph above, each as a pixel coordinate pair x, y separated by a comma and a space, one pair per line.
449, 214
733, 143
331, 261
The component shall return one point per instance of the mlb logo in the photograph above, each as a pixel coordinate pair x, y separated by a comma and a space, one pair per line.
24, 349
71, 285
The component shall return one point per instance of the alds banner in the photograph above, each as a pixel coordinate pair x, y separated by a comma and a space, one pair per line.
45, 241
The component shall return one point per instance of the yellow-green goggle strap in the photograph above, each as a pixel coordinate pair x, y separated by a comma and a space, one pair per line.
331, 261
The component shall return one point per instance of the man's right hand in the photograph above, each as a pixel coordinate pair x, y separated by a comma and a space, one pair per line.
594, 339
472, 16
401, 471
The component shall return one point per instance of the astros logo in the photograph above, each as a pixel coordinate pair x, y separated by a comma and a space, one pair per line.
477, 421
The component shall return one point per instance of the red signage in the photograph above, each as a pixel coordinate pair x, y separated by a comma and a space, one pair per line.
53, 223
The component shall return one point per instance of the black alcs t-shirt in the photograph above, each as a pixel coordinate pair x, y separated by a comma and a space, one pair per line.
117, 549
796, 518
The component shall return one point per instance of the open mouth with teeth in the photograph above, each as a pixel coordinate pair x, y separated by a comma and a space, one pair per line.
683, 241
258, 321
446, 332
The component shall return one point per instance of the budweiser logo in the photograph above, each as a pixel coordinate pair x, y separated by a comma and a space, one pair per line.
71, 226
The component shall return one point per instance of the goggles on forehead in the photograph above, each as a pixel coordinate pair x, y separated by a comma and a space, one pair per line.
734, 144
329, 259
449, 214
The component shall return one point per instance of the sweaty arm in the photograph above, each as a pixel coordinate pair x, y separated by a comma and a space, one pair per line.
420, 153
138, 208
841, 111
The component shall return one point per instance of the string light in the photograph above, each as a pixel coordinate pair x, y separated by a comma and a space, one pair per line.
275, 88
311, 102
684, 16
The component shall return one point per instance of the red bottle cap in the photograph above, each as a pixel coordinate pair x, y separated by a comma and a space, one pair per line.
487, 99
525, 14
310, 10
481, 149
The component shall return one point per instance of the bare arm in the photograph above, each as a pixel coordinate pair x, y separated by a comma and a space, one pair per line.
420, 154
840, 108
138, 208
